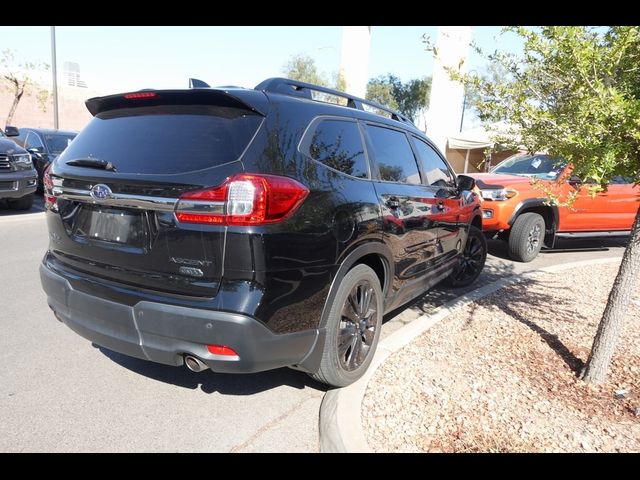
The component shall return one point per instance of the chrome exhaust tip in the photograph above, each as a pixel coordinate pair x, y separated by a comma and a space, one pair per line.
195, 364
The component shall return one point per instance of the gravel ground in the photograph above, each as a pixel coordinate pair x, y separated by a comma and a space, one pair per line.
500, 376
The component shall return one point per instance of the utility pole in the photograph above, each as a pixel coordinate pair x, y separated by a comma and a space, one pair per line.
54, 70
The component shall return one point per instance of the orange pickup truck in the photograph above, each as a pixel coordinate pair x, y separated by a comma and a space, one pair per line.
517, 211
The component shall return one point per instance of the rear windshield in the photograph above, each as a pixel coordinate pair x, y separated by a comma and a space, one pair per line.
57, 142
165, 139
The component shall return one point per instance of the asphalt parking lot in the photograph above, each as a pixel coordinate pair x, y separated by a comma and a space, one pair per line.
60, 393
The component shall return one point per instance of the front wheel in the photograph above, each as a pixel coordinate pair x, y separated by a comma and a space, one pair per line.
353, 328
527, 236
472, 262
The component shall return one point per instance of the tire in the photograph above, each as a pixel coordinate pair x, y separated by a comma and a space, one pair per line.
474, 256
527, 237
23, 203
352, 335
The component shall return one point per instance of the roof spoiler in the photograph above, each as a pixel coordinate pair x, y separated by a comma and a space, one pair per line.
244, 99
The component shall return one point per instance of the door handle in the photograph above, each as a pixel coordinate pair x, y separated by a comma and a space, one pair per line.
440, 206
392, 203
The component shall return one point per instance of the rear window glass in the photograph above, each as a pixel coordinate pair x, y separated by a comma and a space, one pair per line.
338, 145
166, 139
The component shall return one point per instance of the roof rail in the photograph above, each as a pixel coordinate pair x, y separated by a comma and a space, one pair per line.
302, 89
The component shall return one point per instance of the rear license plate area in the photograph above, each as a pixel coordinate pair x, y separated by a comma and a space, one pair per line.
111, 225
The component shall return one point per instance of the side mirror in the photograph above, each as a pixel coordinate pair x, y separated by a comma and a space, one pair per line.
11, 131
35, 152
465, 183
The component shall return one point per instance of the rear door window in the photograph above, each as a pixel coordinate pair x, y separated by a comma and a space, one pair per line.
165, 139
393, 155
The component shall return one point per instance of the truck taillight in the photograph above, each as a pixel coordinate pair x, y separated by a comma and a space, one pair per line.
49, 199
243, 199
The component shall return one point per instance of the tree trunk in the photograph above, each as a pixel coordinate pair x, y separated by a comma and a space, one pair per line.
16, 100
604, 343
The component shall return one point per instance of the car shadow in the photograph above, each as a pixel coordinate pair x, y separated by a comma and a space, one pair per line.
210, 382
441, 294
500, 249
37, 207
523, 298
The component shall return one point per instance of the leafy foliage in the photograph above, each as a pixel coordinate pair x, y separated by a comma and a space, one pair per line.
408, 98
303, 68
574, 92
17, 76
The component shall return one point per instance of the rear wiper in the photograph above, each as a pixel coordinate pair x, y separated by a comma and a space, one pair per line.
92, 163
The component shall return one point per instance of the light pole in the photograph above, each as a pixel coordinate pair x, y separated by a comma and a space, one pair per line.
464, 107
54, 70
464, 101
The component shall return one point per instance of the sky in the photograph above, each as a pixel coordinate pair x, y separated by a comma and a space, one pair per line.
117, 59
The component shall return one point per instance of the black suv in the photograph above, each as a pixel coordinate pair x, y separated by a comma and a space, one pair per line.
243, 230
18, 178
44, 145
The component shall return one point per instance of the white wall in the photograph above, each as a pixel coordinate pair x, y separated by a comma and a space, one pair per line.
445, 103
354, 59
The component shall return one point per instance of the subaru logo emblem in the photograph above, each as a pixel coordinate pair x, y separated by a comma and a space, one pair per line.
100, 192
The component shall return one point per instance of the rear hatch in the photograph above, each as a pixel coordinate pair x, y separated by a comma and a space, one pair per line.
113, 192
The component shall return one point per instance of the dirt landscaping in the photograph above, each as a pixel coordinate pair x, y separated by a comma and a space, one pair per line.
500, 376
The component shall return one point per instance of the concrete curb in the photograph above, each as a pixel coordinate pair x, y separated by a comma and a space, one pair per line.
340, 412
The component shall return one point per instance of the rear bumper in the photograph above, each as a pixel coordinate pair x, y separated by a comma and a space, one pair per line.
164, 333
22, 183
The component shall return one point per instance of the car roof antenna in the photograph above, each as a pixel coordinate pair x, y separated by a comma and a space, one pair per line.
195, 83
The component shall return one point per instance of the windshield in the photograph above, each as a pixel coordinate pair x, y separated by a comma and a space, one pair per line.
58, 142
538, 166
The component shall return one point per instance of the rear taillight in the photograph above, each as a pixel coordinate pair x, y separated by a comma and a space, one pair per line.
49, 199
244, 199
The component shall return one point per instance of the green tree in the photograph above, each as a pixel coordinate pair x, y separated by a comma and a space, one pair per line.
303, 67
380, 90
575, 92
408, 98
491, 73
17, 76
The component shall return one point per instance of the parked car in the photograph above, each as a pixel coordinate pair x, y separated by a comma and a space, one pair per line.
45, 145
18, 178
248, 229
517, 212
